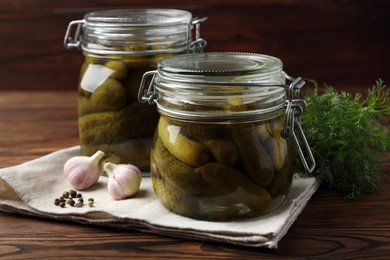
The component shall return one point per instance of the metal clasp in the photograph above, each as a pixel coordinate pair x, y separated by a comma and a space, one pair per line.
198, 44
76, 41
308, 168
294, 109
147, 92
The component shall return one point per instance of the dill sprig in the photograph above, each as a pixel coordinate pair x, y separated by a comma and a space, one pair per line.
348, 135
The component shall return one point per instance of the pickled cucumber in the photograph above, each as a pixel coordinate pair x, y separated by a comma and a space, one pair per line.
187, 150
109, 96
264, 131
281, 183
277, 149
276, 145
255, 158
180, 175
282, 180
221, 177
223, 150
201, 131
237, 185
119, 69
105, 127
175, 200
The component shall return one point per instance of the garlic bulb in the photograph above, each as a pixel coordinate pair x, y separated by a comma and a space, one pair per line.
83, 171
123, 180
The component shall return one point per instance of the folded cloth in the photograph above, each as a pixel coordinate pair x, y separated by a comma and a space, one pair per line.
30, 188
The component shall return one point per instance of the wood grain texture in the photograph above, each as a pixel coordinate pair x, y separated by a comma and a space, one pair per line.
338, 42
34, 123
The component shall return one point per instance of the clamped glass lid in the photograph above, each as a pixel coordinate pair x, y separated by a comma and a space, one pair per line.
223, 76
223, 67
142, 30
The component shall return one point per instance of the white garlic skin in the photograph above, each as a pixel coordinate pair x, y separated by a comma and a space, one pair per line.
124, 180
82, 171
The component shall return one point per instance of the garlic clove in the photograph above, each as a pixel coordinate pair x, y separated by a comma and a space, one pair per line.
124, 180
82, 171
115, 189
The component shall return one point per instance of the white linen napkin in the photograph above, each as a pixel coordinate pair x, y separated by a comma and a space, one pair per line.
30, 189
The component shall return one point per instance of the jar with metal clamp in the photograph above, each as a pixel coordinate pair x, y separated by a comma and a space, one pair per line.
223, 145
119, 47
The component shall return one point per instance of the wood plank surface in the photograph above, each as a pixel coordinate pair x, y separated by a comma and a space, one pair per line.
332, 41
33, 124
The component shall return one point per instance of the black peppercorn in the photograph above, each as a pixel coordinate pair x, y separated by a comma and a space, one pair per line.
70, 201
65, 194
79, 204
73, 193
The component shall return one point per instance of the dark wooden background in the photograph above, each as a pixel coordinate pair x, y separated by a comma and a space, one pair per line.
337, 42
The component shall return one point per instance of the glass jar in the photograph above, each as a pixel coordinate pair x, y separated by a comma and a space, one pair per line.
223, 145
119, 47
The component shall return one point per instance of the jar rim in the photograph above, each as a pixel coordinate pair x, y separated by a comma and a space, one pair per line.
137, 17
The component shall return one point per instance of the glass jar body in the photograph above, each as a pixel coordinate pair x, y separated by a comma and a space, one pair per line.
119, 47
110, 117
221, 171
222, 149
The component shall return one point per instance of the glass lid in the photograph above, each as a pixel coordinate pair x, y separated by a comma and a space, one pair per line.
221, 64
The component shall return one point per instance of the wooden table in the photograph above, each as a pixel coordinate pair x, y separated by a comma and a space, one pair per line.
33, 124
